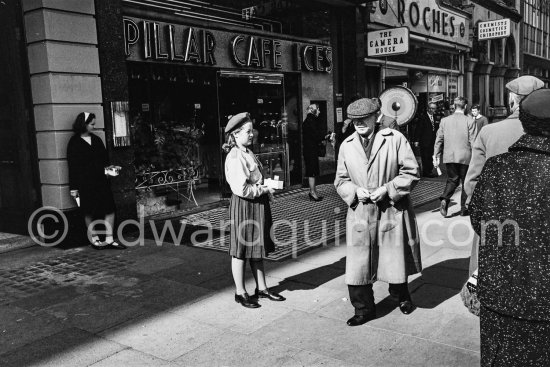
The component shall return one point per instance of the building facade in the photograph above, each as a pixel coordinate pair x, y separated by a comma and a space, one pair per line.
434, 66
535, 39
162, 80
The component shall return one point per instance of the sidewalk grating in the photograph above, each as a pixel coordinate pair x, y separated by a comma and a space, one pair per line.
296, 207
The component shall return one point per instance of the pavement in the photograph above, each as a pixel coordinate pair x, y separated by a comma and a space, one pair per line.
170, 305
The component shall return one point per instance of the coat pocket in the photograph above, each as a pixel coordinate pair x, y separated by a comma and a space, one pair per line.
390, 219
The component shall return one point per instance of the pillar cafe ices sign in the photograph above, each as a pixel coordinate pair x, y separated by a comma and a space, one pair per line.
424, 17
161, 42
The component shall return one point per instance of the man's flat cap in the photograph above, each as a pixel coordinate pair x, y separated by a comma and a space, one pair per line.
362, 108
236, 121
524, 85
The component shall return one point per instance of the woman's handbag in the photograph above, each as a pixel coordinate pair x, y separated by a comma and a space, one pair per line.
468, 293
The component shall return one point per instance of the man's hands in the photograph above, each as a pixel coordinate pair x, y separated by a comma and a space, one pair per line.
363, 195
379, 194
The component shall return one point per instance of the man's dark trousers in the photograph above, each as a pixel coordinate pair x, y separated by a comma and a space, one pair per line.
426, 155
362, 296
456, 173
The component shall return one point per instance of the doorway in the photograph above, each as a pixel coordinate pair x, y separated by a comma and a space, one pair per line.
18, 158
263, 96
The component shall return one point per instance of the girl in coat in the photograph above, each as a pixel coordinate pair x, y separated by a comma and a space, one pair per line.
88, 179
250, 212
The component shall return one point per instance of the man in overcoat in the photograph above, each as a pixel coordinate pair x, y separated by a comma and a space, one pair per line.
376, 172
453, 143
495, 139
424, 137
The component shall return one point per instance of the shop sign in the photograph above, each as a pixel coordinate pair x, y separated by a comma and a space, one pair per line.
436, 83
266, 8
493, 29
424, 17
174, 43
387, 42
437, 98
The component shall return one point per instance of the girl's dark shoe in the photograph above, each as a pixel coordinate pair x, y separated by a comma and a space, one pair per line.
97, 245
246, 301
313, 198
117, 246
406, 307
266, 293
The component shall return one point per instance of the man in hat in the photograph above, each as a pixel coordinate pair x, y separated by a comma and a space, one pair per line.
514, 262
376, 172
454, 142
495, 139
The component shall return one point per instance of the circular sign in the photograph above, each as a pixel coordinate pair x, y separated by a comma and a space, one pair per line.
400, 103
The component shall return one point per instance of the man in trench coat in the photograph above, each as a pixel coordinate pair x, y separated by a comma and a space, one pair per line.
376, 172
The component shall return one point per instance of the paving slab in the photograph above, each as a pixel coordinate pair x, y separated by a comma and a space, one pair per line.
19, 327
310, 359
96, 312
235, 349
307, 298
221, 311
447, 257
154, 263
163, 294
166, 336
412, 352
461, 331
438, 298
197, 272
331, 338
131, 358
72, 347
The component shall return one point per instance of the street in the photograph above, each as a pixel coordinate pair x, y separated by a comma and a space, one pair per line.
173, 306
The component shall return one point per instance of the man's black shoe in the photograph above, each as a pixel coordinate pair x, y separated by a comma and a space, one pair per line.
443, 208
245, 300
406, 307
361, 319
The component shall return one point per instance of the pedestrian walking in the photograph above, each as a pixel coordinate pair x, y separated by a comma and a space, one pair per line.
89, 172
496, 138
313, 137
480, 120
376, 172
509, 211
383, 120
425, 131
454, 141
249, 211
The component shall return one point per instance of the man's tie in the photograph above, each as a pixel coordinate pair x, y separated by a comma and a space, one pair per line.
432, 121
366, 146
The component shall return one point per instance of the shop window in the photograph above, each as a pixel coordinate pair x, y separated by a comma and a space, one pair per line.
174, 124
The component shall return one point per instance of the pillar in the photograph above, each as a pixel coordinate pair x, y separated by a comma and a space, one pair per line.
469, 66
482, 71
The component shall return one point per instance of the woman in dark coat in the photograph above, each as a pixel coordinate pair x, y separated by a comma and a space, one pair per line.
511, 214
88, 179
312, 137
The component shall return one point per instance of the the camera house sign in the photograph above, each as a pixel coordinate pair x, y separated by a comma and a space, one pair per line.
386, 42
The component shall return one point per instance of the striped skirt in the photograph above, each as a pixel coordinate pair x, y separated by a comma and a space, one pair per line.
250, 227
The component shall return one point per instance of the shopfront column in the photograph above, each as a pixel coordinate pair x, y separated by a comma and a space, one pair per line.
497, 74
483, 73
469, 66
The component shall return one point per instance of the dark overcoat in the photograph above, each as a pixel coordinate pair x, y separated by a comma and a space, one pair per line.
87, 164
